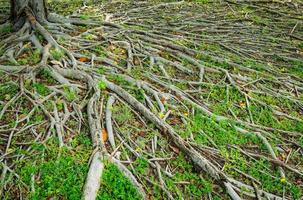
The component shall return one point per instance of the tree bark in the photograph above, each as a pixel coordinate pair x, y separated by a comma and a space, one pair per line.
38, 9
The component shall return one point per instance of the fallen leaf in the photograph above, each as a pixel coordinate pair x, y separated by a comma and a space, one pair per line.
163, 99
83, 59
104, 135
136, 61
281, 158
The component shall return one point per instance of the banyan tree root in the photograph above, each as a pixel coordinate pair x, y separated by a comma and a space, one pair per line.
80, 74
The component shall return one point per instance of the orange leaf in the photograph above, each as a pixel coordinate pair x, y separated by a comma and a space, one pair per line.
163, 99
83, 59
104, 135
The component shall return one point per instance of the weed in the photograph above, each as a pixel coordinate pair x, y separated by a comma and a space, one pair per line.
101, 70
141, 165
102, 85
122, 114
88, 36
6, 29
115, 185
202, 1
41, 89
31, 57
57, 53
8, 90
84, 17
70, 94
59, 173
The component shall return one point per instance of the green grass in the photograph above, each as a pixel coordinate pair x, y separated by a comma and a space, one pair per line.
69, 94
6, 29
30, 57
296, 68
115, 185
41, 89
57, 54
198, 186
59, 173
8, 90
223, 134
102, 85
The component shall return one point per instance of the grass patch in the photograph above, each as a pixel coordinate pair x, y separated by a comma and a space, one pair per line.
58, 174
116, 186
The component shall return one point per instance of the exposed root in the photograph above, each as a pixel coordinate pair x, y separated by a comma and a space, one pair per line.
161, 72
93, 178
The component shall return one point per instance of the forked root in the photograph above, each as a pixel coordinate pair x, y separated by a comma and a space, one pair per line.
86, 78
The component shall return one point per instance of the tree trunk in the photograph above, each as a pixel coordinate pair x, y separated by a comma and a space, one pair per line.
38, 8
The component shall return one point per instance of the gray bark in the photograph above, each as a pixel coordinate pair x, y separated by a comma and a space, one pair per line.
38, 8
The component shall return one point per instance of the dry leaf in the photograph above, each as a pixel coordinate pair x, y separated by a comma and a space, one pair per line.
104, 135
83, 59
163, 99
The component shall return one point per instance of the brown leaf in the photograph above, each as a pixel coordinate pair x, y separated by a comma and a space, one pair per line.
104, 135
83, 59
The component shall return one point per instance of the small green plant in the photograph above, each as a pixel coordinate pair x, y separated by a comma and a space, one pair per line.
102, 85
141, 165
7, 90
101, 70
116, 186
138, 93
84, 17
58, 172
202, 1
57, 53
6, 29
125, 115
70, 94
88, 36
99, 51
31, 57
136, 73
118, 79
36, 56
41, 89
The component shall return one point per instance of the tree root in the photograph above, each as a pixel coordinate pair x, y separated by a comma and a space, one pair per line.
165, 67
